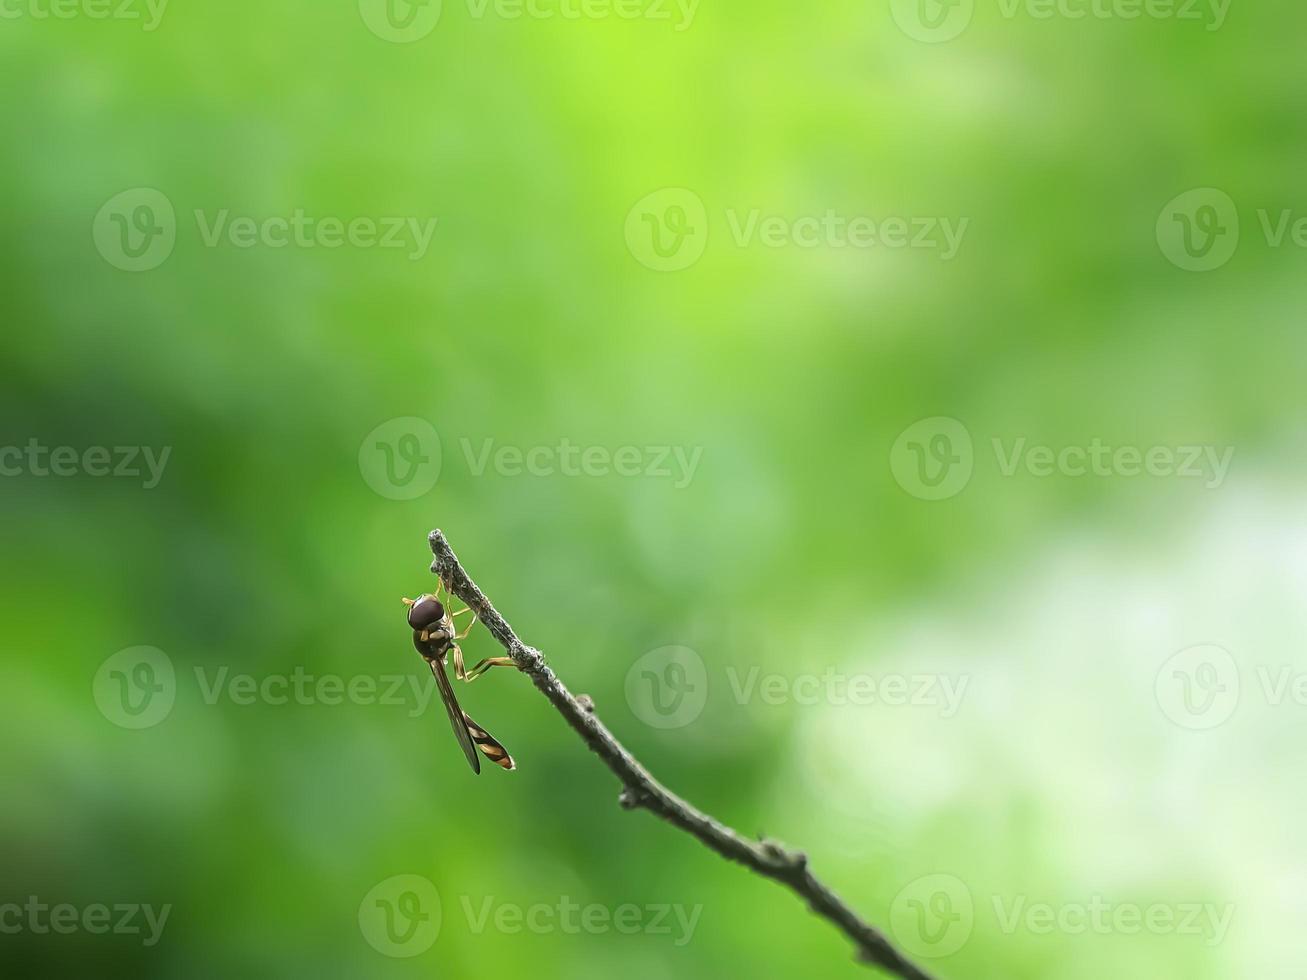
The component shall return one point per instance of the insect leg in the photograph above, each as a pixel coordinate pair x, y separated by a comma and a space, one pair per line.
449, 603
483, 666
470, 624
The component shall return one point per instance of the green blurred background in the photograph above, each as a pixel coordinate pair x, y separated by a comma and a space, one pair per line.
558, 303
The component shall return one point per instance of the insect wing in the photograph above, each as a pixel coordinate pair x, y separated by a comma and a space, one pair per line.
456, 717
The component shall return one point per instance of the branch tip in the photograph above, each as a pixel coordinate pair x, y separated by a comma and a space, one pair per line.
640, 790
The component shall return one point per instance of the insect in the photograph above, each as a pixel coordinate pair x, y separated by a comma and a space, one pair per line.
433, 635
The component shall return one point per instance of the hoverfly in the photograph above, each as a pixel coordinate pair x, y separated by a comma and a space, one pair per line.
434, 637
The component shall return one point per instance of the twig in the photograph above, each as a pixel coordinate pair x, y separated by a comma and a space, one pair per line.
641, 790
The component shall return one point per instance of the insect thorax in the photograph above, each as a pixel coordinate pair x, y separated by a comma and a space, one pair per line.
435, 646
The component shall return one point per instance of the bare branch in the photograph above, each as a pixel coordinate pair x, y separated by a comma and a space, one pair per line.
642, 791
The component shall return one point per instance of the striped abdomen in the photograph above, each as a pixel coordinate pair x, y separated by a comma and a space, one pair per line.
489, 747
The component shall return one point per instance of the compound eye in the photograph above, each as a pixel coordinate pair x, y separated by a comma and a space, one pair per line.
425, 613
